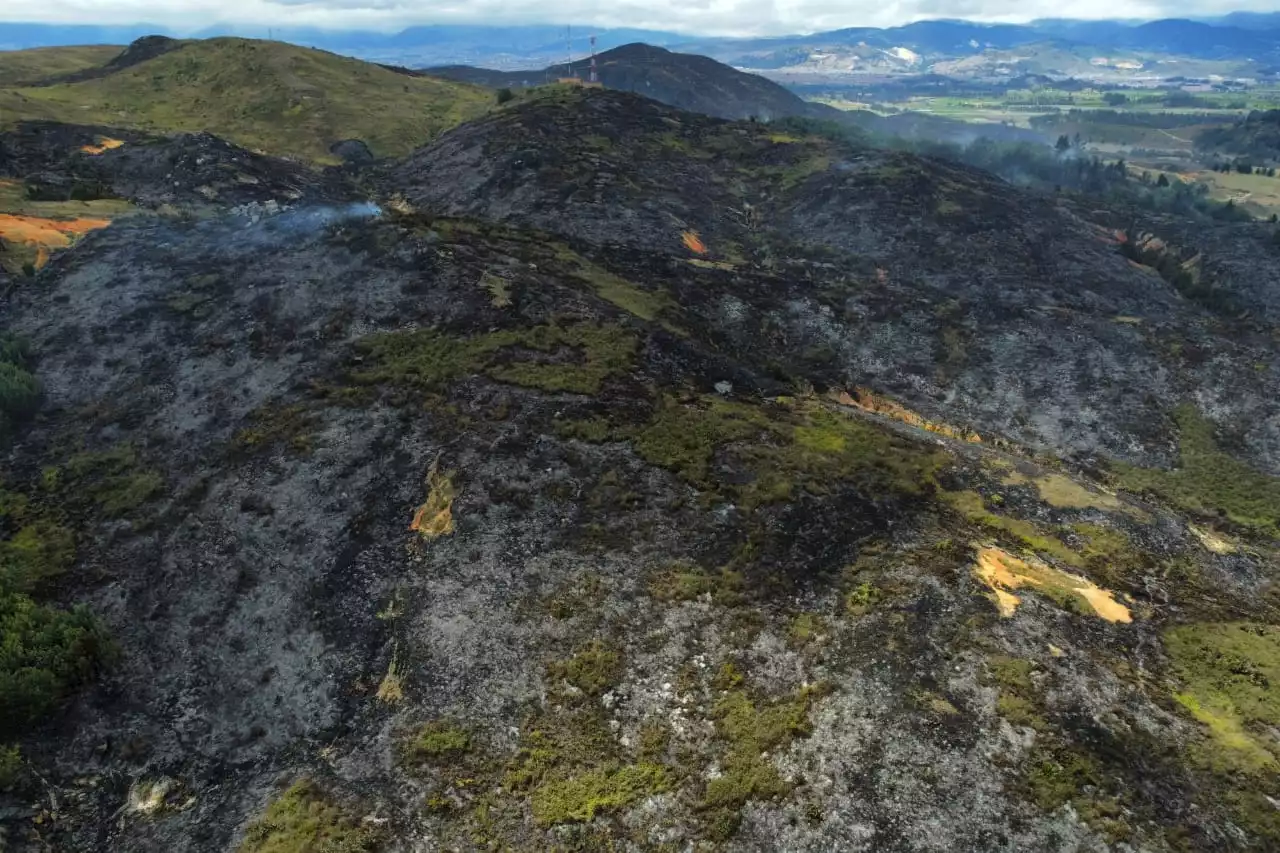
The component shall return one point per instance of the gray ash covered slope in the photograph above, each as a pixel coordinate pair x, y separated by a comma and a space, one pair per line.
682, 80
970, 299
514, 517
194, 171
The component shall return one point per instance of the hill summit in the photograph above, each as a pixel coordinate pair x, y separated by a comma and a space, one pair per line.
273, 97
687, 81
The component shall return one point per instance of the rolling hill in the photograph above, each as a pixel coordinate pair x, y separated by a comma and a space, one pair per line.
687, 81
24, 67
267, 96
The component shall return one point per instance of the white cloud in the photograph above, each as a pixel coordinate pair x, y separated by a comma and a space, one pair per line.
718, 17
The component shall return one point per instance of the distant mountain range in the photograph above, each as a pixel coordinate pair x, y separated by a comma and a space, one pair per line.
1239, 36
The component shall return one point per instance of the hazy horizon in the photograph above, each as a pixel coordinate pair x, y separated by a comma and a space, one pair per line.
706, 17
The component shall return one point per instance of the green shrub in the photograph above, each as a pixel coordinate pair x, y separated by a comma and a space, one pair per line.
505, 95
38, 551
15, 350
44, 654
10, 767
20, 392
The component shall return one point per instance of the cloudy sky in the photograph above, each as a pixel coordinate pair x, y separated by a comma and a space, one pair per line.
726, 17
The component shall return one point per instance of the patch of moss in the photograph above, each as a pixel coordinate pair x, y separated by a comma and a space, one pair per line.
305, 820
1019, 700
1055, 779
594, 430
574, 358
437, 742
862, 598
804, 629
1209, 481
655, 739
557, 746
575, 597
571, 767
272, 425
683, 581
594, 670
1060, 775
750, 731
114, 480
579, 798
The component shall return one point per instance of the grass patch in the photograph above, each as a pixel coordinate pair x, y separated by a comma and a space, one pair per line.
574, 358
593, 430
683, 581
651, 305
971, 505
304, 820
10, 767
23, 67
114, 480
1209, 481
38, 551
1231, 672
779, 449
434, 518
45, 652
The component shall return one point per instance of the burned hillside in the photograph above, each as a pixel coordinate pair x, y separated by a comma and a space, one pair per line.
602, 476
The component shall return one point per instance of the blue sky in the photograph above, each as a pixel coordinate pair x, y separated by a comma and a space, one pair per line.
722, 17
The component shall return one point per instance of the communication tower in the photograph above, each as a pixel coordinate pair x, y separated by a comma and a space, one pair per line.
594, 78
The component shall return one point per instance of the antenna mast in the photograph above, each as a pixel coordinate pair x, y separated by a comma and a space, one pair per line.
568, 43
594, 79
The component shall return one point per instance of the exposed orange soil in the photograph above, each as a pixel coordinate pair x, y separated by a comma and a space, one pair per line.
45, 234
105, 144
55, 233
693, 242
869, 401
